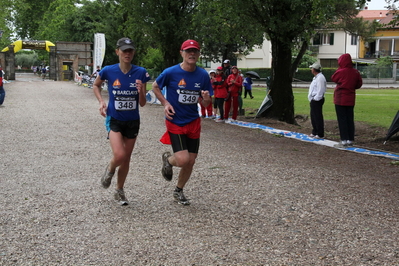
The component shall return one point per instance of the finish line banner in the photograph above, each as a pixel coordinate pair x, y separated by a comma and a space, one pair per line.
99, 50
35, 45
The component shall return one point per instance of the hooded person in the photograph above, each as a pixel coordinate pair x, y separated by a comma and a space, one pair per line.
348, 80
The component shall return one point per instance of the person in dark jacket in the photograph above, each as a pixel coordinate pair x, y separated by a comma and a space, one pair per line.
348, 80
2, 91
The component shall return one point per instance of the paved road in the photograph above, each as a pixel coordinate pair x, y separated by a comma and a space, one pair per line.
257, 199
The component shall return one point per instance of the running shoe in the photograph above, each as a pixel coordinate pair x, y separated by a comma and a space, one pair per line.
167, 170
219, 120
107, 178
180, 198
341, 145
120, 197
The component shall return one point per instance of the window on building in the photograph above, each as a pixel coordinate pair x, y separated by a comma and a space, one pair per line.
396, 47
323, 39
385, 47
353, 39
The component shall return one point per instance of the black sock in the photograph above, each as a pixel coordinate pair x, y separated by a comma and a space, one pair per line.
177, 189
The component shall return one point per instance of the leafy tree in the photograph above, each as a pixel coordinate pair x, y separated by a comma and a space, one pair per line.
26, 59
27, 17
290, 23
306, 60
222, 31
5, 23
162, 24
100, 16
55, 24
152, 60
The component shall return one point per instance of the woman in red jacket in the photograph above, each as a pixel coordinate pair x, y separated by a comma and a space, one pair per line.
348, 80
234, 84
220, 92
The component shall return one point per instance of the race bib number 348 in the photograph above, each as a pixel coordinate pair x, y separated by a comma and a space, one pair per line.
125, 104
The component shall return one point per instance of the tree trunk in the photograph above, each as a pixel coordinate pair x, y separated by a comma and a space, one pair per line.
281, 83
171, 57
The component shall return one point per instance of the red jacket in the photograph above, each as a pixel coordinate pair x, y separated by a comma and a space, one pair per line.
348, 80
235, 87
219, 87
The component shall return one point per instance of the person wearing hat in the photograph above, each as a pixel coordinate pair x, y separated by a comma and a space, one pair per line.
126, 92
226, 68
234, 84
317, 89
220, 92
185, 84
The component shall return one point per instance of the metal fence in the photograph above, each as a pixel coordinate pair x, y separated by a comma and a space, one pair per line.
376, 72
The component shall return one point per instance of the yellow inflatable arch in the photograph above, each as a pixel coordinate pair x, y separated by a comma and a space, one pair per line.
38, 45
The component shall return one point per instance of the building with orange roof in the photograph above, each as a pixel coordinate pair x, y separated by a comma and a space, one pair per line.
386, 41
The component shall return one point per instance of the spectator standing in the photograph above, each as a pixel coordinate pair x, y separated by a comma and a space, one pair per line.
44, 71
226, 68
248, 87
2, 91
185, 83
220, 92
348, 80
234, 83
95, 72
317, 89
207, 111
126, 91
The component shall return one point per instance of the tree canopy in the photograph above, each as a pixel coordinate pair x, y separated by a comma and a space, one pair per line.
158, 27
290, 23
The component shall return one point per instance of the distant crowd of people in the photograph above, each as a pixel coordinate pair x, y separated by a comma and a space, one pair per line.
228, 84
41, 71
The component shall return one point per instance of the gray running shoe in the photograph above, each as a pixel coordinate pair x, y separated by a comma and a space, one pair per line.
120, 197
107, 178
167, 170
341, 145
181, 199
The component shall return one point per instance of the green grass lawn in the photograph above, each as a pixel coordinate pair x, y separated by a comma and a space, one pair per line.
376, 107
373, 106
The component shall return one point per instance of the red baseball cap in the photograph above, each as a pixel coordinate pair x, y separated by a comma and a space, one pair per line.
190, 44
219, 68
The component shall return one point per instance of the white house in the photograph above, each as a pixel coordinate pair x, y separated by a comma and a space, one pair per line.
327, 45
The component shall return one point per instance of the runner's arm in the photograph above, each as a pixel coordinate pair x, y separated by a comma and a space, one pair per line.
97, 92
169, 111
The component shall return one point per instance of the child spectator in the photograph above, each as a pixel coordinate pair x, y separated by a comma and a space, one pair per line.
248, 87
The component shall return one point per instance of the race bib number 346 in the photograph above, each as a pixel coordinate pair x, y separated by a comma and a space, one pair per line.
125, 103
188, 96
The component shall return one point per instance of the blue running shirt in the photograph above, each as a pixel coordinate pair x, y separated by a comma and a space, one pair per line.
183, 90
123, 101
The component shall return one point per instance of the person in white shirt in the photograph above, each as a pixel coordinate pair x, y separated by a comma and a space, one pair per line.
316, 98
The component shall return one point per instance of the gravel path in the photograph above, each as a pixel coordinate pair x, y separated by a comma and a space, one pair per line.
257, 199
